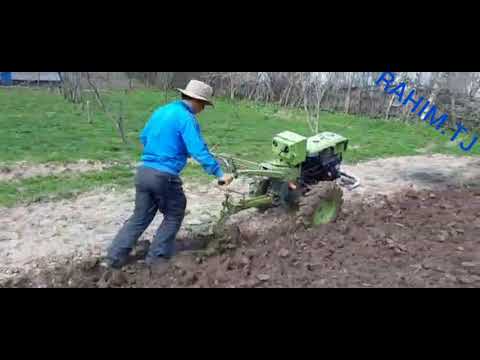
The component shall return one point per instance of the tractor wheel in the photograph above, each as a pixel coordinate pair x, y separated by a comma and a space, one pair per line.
321, 205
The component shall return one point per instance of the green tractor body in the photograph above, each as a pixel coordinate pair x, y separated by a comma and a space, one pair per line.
301, 167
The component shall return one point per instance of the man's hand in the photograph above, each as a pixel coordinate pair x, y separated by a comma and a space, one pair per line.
225, 180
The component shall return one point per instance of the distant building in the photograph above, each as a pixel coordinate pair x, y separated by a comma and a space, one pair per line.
5, 78
36, 78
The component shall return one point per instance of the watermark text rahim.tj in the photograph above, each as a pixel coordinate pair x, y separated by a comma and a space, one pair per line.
424, 109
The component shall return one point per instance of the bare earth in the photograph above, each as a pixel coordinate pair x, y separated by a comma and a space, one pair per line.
413, 222
25, 170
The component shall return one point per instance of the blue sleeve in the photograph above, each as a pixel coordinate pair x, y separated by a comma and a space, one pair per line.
198, 149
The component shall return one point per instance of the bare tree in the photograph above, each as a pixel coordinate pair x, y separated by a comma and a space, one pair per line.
474, 84
95, 90
71, 86
349, 92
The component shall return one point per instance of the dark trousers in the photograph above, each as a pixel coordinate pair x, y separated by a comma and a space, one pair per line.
155, 191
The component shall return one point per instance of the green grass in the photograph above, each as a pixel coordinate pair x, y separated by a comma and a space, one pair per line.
373, 138
38, 126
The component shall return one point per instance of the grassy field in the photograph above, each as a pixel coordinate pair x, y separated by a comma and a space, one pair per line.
38, 126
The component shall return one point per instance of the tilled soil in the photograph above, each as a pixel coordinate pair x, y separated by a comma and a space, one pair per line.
396, 174
83, 227
414, 239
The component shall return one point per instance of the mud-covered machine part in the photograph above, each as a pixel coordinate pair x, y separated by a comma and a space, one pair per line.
305, 178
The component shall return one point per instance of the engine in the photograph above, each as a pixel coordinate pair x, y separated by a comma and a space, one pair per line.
323, 167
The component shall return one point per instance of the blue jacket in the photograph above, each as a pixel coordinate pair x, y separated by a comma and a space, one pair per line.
171, 136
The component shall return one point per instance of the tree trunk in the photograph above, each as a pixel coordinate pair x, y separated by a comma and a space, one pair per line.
360, 96
405, 113
453, 114
254, 90
349, 91
95, 91
121, 125
232, 87
390, 104
437, 86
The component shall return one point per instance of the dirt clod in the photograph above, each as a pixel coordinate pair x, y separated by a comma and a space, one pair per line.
283, 253
263, 277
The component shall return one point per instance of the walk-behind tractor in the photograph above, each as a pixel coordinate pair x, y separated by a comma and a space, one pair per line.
304, 178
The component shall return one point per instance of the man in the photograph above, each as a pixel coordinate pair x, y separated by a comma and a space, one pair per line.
171, 136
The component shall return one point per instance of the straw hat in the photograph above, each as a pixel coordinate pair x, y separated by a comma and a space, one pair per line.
199, 90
